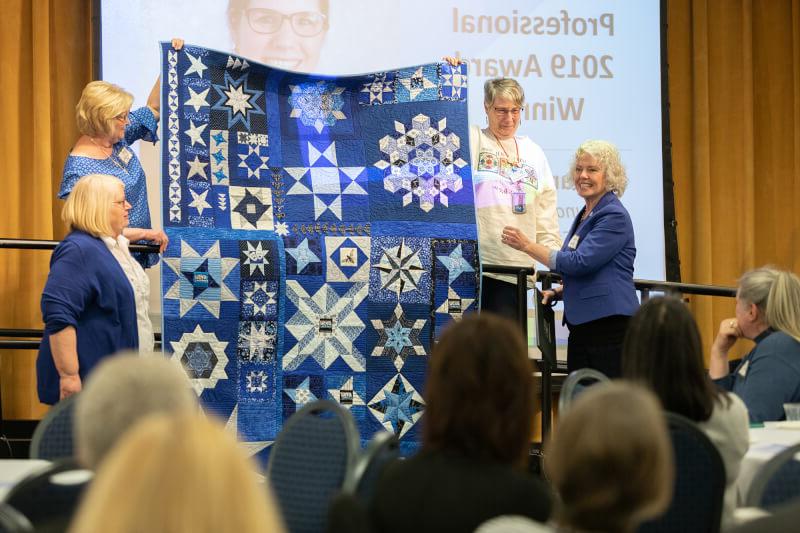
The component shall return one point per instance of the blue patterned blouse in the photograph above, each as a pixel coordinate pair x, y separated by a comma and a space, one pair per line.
123, 164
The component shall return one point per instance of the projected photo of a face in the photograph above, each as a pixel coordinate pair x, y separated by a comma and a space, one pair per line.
287, 35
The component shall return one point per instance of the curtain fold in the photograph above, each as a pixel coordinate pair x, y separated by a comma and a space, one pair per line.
45, 60
735, 94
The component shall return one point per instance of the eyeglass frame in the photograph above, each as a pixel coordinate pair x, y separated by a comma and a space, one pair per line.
501, 112
120, 203
246, 13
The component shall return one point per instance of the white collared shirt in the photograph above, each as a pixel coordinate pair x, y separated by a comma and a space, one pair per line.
140, 284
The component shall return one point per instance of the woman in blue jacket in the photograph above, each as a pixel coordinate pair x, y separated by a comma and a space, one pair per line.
95, 300
595, 262
767, 312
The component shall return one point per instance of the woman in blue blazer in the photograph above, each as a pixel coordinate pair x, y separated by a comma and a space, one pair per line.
595, 262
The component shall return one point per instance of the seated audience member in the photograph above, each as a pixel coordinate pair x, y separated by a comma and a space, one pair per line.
663, 352
476, 436
121, 391
768, 312
610, 461
177, 473
95, 301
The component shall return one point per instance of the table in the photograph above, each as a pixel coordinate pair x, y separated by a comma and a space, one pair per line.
14, 470
765, 443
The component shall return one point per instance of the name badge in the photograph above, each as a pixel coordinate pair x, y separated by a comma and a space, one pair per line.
743, 369
573, 242
518, 202
125, 156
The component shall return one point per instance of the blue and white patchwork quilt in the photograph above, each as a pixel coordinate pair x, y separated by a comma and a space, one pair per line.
322, 232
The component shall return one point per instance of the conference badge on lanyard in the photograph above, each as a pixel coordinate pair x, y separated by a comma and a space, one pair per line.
518, 202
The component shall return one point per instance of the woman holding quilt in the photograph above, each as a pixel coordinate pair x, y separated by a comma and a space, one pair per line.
108, 127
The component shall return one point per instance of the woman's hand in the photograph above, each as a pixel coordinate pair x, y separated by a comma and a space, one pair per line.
157, 236
68, 385
727, 335
177, 43
514, 238
551, 296
142, 234
453, 61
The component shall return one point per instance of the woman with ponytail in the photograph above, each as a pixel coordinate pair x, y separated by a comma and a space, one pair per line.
767, 312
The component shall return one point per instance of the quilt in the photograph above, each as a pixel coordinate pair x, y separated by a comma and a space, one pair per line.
322, 233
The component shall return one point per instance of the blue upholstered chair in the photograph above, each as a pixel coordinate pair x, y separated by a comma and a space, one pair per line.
310, 461
12, 521
52, 438
575, 383
382, 449
777, 481
49, 497
699, 482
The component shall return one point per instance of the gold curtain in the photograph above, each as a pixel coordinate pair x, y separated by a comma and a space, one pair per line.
45, 60
734, 88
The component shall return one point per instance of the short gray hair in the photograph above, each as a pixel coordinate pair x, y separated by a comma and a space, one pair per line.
776, 293
120, 391
607, 155
504, 88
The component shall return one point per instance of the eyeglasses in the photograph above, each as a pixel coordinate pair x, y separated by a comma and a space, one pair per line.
122, 118
120, 203
304, 23
502, 111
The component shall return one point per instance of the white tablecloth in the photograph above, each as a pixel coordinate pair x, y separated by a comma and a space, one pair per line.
13, 470
765, 443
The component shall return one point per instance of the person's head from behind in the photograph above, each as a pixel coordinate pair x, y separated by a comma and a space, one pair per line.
768, 298
102, 111
119, 392
287, 35
97, 206
480, 392
663, 352
177, 473
610, 459
503, 99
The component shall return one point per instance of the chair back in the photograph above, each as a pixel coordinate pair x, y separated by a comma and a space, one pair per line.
12, 521
309, 463
575, 383
51, 495
699, 489
382, 449
52, 438
777, 481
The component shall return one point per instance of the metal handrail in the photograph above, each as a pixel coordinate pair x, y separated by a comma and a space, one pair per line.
548, 364
36, 244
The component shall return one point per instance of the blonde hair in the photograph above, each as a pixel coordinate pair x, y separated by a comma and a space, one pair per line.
101, 102
608, 156
88, 205
610, 459
504, 88
177, 473
122, 390
776, 293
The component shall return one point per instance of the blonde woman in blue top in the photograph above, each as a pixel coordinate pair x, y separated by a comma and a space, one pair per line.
595, 262
108, 129
94, 302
